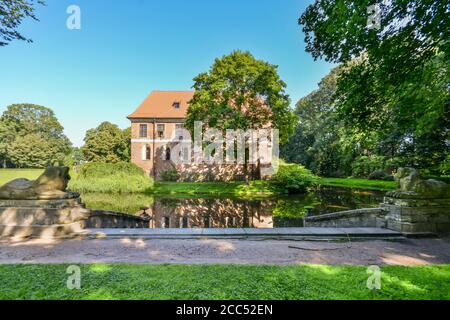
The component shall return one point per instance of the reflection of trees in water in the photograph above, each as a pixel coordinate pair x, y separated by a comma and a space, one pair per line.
338, 199
211, 213
287, 211
125, 203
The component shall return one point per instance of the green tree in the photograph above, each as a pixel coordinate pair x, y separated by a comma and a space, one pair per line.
5, 140
77, 155
22, 120
240, 92
31, 151
12, 13
107, 143
317, 141
394, 79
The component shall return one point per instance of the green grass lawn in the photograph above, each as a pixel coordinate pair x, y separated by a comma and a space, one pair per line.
7, 175
214, 188
261, 187
121, 281
257, 188
359, 183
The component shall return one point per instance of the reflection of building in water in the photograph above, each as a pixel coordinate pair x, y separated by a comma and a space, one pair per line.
210, 213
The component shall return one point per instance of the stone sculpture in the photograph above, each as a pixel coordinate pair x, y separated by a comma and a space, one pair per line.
43, 208
52, 184
412, 185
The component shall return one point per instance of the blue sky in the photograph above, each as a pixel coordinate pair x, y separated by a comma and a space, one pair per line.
127, 48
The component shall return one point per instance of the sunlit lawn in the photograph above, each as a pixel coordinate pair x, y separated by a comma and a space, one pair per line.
359, 183
7, 175
215, 188
121, 281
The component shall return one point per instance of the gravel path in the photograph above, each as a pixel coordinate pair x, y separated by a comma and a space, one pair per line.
407, 252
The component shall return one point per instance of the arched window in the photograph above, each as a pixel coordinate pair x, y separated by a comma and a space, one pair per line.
167, 153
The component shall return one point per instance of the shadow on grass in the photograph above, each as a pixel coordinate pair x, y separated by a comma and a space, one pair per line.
122, 281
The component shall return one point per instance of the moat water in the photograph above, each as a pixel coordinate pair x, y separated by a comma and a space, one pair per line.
233, 212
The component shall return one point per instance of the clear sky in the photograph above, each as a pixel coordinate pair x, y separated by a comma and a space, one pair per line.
127, 48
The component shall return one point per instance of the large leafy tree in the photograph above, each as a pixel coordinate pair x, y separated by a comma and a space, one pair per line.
23, 126
12, 13
395, 78
5, 139
241, 92
31, 151
320, 141
312, 142
107, 143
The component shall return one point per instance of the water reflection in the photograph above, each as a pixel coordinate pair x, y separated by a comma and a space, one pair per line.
210, 213
223, 212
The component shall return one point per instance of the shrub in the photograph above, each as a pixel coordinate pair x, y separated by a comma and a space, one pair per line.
101, 170
293, 178
380, 175
119, 177
364, 165
444, 167
170, 175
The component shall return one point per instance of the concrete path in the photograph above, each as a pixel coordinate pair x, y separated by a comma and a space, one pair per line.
195, 251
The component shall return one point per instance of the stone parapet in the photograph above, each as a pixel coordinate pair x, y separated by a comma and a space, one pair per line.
358, 218
26, 216
108, 219
421, 202
45, 204
416, 216
58, 218
409, 216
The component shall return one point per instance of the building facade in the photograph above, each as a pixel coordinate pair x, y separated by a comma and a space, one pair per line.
157, 127
153, 129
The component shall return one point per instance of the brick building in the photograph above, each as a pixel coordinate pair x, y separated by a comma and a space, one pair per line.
155, 130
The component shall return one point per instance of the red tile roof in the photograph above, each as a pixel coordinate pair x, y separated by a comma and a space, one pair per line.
159, 104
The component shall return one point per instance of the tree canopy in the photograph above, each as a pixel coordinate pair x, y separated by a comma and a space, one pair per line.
31, 136
241, 92
12, 13
394, 80
316, 142
107, 143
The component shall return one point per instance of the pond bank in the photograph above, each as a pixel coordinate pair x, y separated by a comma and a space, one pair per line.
260, 188
359, 183
255, 188
235, 188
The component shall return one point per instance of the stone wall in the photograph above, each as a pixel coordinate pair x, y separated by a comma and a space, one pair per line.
58, 218
409, 216
108, 219
359, 218
415, 216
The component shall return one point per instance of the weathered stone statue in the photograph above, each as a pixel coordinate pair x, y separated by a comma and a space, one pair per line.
412, 185
43, 208
52, 184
